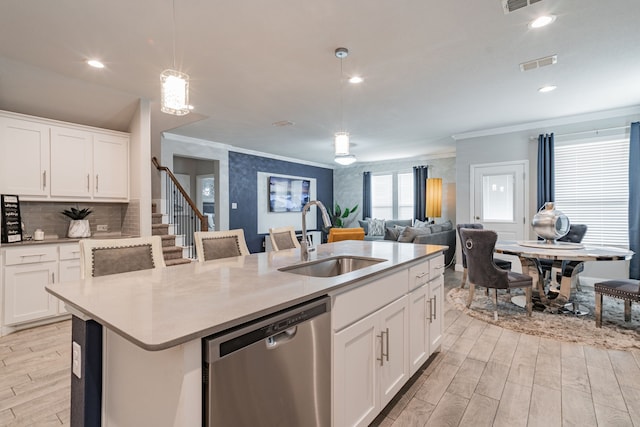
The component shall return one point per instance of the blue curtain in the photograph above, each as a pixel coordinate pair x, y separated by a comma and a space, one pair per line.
366, 195
546, 175
634, 200
420, 192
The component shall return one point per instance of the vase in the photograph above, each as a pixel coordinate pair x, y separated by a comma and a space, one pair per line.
79, 228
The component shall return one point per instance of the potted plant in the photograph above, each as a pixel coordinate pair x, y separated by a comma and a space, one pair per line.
339, 217
79, 226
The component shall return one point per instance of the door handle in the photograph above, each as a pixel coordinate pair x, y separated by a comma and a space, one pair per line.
430, 310
87, 182
96, 183
44, 179
435, 307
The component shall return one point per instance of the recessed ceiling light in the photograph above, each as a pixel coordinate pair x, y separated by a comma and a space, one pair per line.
548, 88
95, 63
542, 21
356, 79
282, 123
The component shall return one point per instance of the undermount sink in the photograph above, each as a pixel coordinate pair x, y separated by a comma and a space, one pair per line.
331, 267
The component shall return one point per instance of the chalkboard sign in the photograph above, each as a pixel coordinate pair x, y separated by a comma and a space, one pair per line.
11, 220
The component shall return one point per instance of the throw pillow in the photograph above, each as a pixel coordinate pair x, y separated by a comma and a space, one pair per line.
376, 227
410, 233
391, 233
446, 226
435, 228
419, 224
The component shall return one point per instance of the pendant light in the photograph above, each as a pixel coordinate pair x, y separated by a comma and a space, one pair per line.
174, 85
341, 138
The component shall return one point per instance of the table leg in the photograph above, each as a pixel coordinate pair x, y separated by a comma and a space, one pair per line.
531, 266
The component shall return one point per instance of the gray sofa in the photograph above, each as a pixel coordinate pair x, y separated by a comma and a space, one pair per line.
402, 231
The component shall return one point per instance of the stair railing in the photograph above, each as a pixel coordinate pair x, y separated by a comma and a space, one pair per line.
181, 210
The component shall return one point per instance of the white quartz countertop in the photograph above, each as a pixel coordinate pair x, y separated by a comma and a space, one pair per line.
162, 308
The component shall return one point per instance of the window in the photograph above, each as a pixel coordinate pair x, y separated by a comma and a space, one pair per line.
592, 188
387, 203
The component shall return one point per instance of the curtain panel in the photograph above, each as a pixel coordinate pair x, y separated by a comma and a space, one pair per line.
634, 200
420, 174
546, 175
366, 195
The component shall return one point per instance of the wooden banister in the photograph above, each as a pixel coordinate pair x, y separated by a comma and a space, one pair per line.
204, 223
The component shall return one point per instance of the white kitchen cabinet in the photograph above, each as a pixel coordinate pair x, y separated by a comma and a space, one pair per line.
69, 267
426, 284
27, 271
24, 158
44, 159
71, 162
370, 364
110, 166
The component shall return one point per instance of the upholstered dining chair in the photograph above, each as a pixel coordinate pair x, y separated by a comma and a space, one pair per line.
500, 263
627, 290
338, 234
283, 238
101, 257
478, 246
220, 244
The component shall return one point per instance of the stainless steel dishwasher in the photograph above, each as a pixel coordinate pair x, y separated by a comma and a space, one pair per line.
274, 371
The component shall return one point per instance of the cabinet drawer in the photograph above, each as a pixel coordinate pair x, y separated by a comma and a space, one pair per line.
357, 303
436, 267
30, 254
419, 275
70, 251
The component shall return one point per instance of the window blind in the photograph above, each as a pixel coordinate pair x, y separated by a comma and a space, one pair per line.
382, 196
592, 188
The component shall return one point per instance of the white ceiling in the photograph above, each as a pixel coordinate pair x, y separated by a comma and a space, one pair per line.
432, 69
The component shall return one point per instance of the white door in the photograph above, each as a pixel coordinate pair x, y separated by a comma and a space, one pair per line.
499, 198
418, 330
25, 296
110, 166
436, 322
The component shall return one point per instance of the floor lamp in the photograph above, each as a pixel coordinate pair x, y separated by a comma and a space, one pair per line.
434, 198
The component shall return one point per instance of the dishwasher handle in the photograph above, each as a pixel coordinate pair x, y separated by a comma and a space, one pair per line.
281, 338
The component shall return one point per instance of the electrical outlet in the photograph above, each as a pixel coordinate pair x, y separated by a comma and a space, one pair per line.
103, 227
76, 359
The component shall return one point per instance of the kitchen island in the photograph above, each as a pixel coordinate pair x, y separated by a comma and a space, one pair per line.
154, 320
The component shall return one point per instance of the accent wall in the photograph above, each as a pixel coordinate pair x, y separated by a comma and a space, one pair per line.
243, 189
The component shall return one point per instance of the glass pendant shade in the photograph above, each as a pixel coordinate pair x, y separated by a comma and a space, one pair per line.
345, 159
341, 143
174, 93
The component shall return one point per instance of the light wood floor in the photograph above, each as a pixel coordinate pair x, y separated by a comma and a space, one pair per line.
483, 376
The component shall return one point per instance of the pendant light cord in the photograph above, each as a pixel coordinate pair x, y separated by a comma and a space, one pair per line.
173, 3
341, 97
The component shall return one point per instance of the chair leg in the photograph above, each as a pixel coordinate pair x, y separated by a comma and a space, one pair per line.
495, 305
598, 310
527, 292
470, 297
627, 310
464, 278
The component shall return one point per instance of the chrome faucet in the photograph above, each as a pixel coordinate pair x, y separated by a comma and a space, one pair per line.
304, 246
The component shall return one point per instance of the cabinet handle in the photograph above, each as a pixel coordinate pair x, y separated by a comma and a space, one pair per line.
96, 183
387, 339
421, 275
44, 179
88, 182
383, 355
431, 310
24, 256
435, 307
53, 277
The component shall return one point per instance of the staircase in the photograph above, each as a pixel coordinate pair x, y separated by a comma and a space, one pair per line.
173, 254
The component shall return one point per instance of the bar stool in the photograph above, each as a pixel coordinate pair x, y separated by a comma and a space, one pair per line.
627, 290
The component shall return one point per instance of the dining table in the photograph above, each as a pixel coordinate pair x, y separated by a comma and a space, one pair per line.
568, 258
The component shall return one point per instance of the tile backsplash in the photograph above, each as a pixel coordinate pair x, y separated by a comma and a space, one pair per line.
48, 216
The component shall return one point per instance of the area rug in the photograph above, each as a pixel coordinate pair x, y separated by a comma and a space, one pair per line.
614, 334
